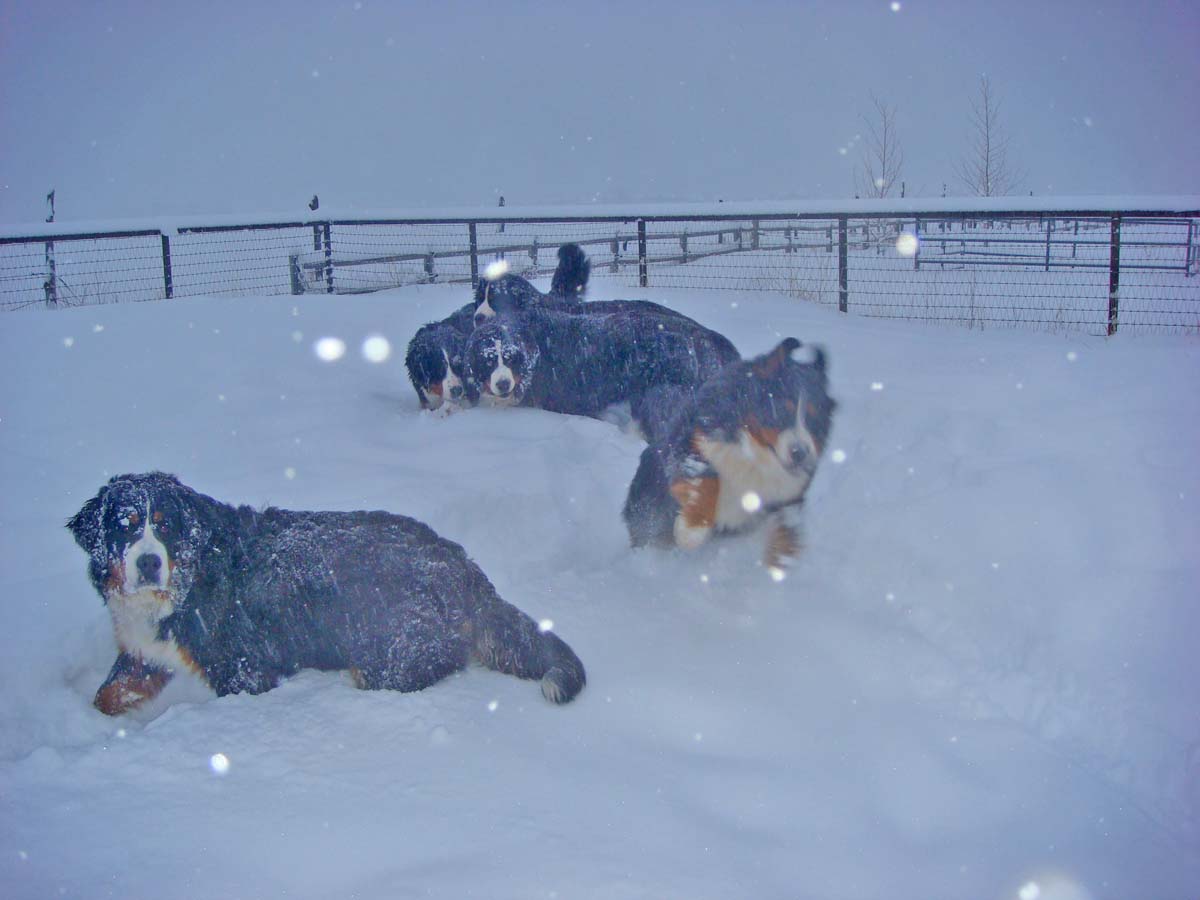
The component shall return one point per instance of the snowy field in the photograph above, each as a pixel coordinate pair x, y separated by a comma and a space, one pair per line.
980, 680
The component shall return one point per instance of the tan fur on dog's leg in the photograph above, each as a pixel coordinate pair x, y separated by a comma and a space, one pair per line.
783, 545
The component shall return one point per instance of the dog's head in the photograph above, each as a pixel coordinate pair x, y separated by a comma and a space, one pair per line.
436, 367
784, 405
505, 293
501, 359
142, 534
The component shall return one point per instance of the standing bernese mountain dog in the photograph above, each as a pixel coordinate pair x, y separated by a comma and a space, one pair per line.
584, 363
744, 444
245, 598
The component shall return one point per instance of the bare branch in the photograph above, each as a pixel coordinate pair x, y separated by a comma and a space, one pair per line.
986, 170
881, 158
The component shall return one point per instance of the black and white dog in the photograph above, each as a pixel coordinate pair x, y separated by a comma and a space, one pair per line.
512, 293
245, 598
584, 363
434, 357
744, 444
436, 365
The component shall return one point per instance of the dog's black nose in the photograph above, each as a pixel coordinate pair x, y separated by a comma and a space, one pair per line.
480, 318
148, 566
455, 392
503, 386
799, 454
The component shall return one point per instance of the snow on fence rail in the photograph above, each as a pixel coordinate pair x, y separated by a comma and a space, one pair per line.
1092, 270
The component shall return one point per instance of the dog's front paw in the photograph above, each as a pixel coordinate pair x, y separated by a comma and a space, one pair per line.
783, 547
131, 683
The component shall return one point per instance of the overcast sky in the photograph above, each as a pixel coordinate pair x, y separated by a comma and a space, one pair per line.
140, 108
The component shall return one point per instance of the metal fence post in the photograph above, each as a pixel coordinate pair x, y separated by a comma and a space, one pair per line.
643, 277
1114, 272
294, 273
328, 259
1049, 232
168, 287
843, 267
50, 285
1189, 252
474, 241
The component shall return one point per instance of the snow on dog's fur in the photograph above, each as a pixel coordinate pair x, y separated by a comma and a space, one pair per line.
582, 364
244, 598
511, 293
745, 444
435, 365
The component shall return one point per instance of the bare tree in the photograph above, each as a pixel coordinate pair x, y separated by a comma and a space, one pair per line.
881, 156
986, 170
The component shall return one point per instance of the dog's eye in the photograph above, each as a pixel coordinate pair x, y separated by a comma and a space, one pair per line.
133, 520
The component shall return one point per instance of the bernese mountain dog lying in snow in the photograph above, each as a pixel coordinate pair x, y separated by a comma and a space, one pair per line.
435, 364
583, 363
434, 357
245, 598
511, 293
745, 444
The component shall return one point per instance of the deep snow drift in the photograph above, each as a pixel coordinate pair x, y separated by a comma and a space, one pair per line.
979, 681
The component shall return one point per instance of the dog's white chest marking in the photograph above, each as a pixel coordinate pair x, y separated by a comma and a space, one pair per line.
751, 476
135, 619
143, 600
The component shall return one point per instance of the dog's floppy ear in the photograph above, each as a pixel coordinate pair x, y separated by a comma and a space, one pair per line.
85, 524
770, 363
819, 358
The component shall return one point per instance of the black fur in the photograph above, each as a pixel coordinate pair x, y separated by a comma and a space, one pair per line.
582, 364
434, 353
512, 293
249, 598
771, 394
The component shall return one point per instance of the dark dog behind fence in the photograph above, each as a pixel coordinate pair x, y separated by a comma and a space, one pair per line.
1073, 269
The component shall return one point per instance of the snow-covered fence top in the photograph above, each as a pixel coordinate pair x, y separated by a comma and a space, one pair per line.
1091, 266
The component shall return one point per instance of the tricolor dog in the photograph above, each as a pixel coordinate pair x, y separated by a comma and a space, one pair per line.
245, 598
511, 293
436, 366
582, 363
746, 443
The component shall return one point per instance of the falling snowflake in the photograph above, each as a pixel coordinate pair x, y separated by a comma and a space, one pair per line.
219, 763
376, 349
907, 244
330, 349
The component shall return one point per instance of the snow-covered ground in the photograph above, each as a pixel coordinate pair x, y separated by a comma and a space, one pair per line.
980, 681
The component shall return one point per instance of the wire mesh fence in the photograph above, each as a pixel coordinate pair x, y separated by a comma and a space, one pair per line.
1093, 271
